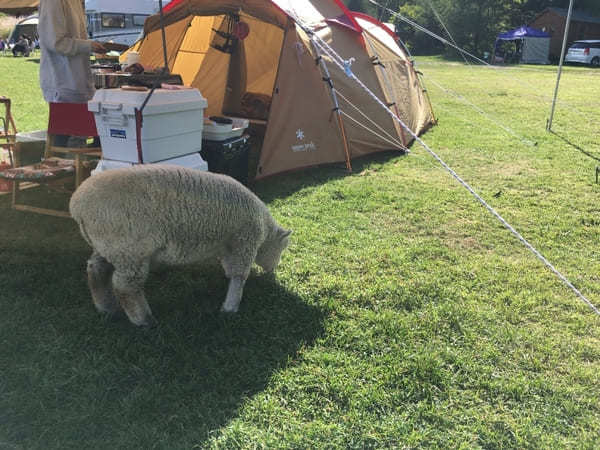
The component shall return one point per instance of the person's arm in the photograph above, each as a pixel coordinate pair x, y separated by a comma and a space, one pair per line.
97, 47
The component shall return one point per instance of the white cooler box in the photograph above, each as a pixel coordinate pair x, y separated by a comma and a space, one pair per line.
172, 123
193, 161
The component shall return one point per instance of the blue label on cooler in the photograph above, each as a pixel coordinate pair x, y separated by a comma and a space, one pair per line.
119, 134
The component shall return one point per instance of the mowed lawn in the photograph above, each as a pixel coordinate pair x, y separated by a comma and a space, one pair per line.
403, 315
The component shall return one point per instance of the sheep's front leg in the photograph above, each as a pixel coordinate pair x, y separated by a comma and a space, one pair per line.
99, 272
237, 266
234, 294
128, 285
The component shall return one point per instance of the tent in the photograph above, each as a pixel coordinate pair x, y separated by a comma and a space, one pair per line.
18, 7
25, 27
255, 59
533, 46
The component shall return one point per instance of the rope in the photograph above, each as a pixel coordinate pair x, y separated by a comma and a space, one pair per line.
430, 33
439, 19
336, 58
388, 84
485, 63
392, 138
482, 112
369, 130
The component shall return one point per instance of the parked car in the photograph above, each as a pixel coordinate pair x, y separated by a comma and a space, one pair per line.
584, 52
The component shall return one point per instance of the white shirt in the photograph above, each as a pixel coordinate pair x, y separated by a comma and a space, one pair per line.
65, 74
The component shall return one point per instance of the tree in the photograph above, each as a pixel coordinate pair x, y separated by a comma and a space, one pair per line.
473, 24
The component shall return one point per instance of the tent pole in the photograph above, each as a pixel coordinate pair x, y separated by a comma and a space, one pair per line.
341, 124
336, 109
164, 37
560, 64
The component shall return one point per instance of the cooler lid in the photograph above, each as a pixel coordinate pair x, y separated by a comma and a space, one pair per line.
162, 101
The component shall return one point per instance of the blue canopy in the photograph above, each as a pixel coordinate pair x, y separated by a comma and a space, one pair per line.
521, 32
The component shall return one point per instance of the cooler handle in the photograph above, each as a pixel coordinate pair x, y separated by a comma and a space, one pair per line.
112, 106
113, 119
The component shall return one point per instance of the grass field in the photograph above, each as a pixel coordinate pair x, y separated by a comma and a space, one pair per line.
403, 314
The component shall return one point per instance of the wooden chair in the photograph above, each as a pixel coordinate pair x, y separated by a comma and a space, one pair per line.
59, 163
8, 129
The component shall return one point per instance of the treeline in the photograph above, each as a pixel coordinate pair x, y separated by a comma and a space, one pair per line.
472, 24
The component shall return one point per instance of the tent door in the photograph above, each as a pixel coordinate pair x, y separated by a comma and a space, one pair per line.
253, 70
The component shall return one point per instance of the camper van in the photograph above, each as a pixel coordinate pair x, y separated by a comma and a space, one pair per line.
118, 21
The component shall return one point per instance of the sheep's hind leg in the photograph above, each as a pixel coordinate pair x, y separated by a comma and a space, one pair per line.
128, 284
99, 272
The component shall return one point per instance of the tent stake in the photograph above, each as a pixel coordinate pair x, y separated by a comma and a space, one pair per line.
560, 64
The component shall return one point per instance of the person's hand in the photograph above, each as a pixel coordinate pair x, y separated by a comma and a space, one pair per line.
97, 47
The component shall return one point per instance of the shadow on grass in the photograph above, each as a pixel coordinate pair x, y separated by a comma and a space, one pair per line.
72, 378
575, 146
284, 185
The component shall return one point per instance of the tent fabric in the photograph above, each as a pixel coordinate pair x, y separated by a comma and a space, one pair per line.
18, 6
343, 21
304, 10
522, 32
294, 102
296, 123
535, 44
27, 26
536, 51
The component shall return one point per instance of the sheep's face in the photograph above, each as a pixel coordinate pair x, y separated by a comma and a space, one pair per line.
269, 253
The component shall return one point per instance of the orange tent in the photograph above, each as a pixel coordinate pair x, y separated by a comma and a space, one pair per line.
19, 7
257, 59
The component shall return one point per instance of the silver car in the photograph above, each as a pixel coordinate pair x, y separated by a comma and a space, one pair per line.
584, 52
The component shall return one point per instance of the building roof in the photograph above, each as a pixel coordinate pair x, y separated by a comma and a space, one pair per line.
576, 15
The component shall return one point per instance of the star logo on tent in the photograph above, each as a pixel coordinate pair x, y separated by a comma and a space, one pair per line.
299, 134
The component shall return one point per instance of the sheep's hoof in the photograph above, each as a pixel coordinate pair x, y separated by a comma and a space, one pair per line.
229, 310
147, 322
109, 308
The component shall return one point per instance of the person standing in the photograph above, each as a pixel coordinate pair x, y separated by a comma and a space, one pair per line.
65, 73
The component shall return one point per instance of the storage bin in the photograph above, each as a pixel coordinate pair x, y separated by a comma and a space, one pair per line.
214, 131
171, 125
30, 147
229, 157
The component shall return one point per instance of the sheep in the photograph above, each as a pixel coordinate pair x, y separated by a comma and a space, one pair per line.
137, 217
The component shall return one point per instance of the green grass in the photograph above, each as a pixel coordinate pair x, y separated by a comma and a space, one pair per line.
403, 314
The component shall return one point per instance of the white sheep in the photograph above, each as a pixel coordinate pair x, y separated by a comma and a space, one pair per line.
148, 214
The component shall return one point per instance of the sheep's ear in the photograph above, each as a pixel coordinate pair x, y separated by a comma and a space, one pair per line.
284, 233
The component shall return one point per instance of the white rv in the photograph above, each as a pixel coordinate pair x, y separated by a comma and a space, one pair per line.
118, 21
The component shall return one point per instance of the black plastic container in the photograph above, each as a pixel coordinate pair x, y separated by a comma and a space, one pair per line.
229, 157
